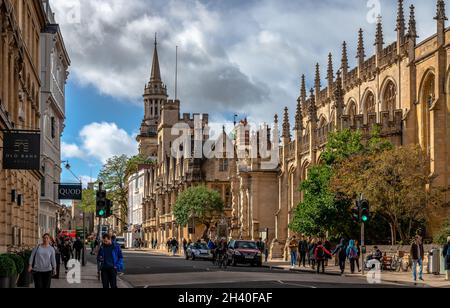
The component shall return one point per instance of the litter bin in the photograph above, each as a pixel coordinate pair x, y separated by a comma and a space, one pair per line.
434, 262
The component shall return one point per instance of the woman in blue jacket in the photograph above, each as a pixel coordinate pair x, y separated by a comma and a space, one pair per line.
352, 255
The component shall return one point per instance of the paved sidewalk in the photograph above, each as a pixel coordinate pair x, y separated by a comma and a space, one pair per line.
434, 281
89, 279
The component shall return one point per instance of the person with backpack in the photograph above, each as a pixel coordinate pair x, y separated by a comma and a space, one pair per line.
352, 254
302, 250
341, 252
446, 254
320, 254
111, 262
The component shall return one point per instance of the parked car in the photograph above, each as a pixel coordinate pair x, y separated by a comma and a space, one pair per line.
244, 252
198, 251
120, 241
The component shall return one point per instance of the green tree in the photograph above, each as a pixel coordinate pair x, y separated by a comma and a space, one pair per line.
88, 202
134, 161
114, 178
323, 209
394, 181
199, 203
441, 237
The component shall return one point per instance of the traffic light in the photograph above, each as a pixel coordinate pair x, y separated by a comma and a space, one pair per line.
365, 210
101, 204
355, 214
109, 206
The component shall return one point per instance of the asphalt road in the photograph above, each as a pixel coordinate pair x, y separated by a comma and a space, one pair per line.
153, 270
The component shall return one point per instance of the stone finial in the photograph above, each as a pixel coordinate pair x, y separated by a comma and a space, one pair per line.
286, 124
312, 108
379, 41
330, 73
339, 93
361, 51
303, 90
400, 20
412, 32
317, 83
275, 119
344, 58
440, 11
300, 105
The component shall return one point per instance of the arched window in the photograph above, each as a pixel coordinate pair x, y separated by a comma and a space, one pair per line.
352, 111
427, 98
369, 104
389, 97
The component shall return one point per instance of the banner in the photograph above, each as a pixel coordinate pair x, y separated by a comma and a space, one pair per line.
21, 151
70, 191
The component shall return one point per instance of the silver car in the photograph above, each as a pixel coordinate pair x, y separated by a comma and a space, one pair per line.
198, 251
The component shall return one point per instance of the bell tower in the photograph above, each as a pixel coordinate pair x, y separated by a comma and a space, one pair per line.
155, 96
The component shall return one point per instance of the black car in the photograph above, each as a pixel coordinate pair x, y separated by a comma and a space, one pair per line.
244, 252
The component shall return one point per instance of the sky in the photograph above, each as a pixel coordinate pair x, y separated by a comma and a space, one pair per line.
240, 57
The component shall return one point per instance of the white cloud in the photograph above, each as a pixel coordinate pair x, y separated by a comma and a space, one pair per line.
85, 179
71, 151
100, 141
235, 56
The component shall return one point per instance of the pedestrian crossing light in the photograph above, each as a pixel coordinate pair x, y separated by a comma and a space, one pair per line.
365, 210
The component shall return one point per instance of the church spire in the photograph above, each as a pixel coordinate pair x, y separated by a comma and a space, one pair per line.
361, 52
379, 41
344, 63
156, 72
400, 21
440, 14
286, 125
300, 105
412, 32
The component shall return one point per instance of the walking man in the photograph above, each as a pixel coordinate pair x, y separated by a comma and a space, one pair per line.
321, 254
302, 250
293, 246
446, 254
341, 252
78, 246
42, 264
417, 256
111, 262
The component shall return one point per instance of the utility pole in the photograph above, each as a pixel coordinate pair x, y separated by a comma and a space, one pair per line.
363, 244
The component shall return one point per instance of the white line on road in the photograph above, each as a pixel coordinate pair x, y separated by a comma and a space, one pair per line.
296, 284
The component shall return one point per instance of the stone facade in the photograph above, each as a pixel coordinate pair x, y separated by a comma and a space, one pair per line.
54, 72
21, 22
403, 88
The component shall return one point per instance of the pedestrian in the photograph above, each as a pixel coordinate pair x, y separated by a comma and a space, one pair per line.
417, 257
174, 246
293, 246
352, 255
55, 245
358, 248
312, 248
266, 250
169, 242
111, 262
152, 243
320, 254
42, 263
327, 246
78, 246
66, 254
446, 255
341, 252
185, 245
302, 250
92, 246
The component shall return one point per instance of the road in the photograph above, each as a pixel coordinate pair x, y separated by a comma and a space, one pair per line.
154, 270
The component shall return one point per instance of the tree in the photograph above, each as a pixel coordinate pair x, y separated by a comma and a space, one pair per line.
114, 178
394, 181
135, 161
199, 203
323, 209
88, 202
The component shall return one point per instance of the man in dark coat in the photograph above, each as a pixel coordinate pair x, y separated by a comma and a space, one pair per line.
417, 257
446, 254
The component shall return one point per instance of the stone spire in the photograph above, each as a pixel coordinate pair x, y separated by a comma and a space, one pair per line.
379, 41
360, 51
156, 72
440, 14
317, 84
300, 105
286, 125
339, 95
330, 73
412, 32
312, 108
400, 22
344, 63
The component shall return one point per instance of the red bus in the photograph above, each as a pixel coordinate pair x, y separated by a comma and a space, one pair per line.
69, 233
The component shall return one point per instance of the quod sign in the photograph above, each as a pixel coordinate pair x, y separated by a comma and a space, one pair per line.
70, 191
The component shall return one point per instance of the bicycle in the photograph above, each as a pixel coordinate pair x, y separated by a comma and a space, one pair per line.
222, 260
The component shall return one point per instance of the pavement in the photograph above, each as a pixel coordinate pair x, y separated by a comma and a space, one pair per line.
88, 278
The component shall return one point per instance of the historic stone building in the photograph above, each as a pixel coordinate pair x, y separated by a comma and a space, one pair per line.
21, 23
54, 72
172, 174
403, 87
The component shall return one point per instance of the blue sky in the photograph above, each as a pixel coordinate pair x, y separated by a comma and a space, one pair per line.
242, 57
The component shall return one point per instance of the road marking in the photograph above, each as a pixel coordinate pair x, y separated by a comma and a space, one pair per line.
296, 284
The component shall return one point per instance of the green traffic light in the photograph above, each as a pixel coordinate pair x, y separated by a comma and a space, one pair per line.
365, 218
101, 213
